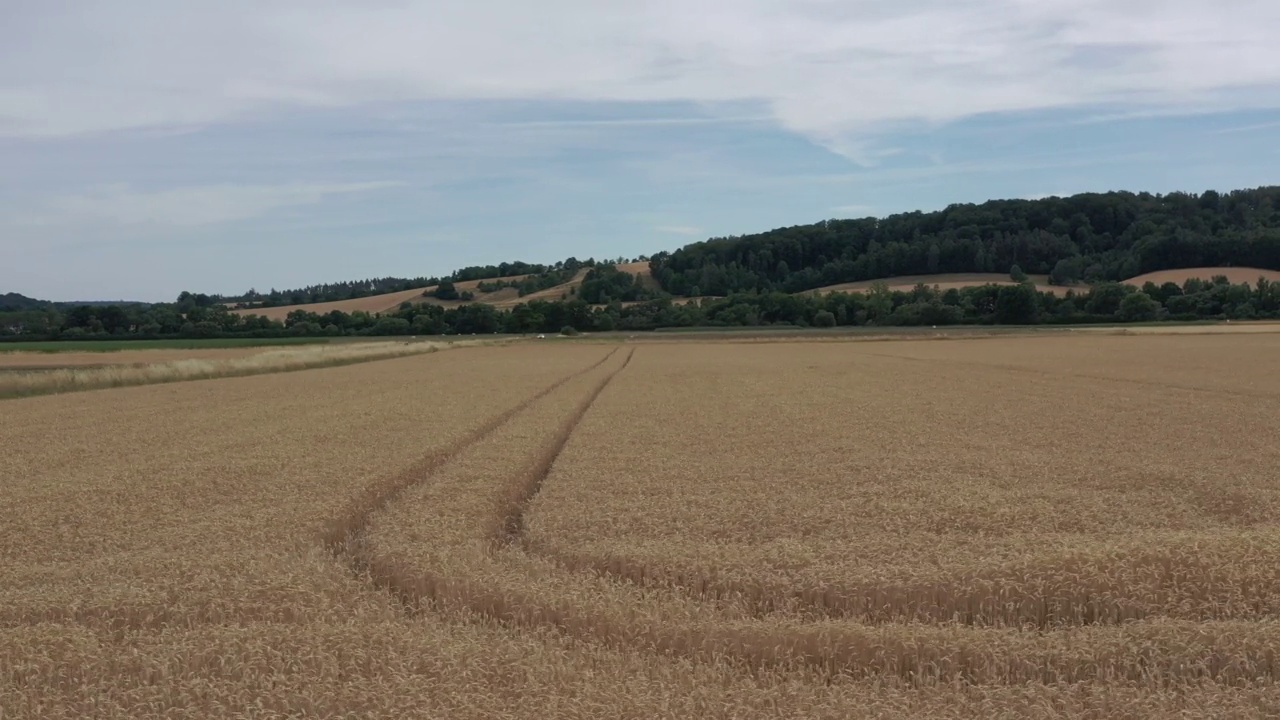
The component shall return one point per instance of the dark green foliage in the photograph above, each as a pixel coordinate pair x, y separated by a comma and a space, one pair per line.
1105, 298
1094, 238
1066, 271
1017, 305
922, 306
1138, 307
13, 302
569, 331
446, 291
545, 278
1112, 236
606, 283
1016, 274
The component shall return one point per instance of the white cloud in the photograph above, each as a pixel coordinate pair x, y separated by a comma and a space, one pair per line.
833, 70
190, 206
679, 230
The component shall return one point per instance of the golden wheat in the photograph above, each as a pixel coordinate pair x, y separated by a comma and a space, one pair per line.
834, 530
947, 491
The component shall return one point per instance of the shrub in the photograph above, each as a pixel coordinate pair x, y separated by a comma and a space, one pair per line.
824, 319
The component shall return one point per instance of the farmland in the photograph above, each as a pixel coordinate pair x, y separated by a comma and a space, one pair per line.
23, 374
1043, 525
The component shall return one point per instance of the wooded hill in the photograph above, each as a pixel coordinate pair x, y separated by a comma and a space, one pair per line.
1083, 244
1089, 237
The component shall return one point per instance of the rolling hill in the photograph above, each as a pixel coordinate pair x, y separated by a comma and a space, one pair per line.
509, 297
505, 298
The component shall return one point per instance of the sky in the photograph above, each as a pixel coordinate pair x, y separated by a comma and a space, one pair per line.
149, 146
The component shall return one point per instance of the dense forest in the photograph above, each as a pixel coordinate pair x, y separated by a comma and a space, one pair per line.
1089, 238
1096, 239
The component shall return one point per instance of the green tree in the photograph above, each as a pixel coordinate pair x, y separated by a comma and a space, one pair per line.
1016, 274
1065, 272
824, 319
1105, 298
446, 291
879, 302
1017, 305
1138, 307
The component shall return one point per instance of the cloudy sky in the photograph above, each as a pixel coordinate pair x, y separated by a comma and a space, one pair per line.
152, 146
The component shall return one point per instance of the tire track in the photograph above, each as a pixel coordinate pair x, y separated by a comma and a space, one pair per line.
498, 525
1017, 598
468, 564
343, 535
512, 528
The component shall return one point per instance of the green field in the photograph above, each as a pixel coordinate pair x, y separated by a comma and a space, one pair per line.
56, 346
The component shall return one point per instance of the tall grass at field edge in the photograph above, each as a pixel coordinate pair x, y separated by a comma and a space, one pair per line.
47, 382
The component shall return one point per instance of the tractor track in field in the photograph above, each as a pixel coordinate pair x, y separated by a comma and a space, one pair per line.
463, 591
344, 535
418, 590
512, 528
991, 600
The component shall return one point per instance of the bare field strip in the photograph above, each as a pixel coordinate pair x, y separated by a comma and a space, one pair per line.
19, 360
1236, 275
944, 282
662, 530
42, 381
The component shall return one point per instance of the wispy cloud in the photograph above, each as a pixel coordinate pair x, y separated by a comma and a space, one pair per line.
832, 71
194, 206
624, 122
1247, 128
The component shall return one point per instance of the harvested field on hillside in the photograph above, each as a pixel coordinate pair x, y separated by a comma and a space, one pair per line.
371, 304
1041, 526
944, 282
1236, 275
642, 271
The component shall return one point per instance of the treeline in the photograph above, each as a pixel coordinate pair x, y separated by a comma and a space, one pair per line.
558, 274
331, 292
1089, 237
1014, 304
15, 302
326, 292
528, 278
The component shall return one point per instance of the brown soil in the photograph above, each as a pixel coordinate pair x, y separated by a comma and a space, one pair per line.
945, 281
1236, 275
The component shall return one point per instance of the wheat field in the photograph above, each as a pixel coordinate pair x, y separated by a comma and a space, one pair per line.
1020, 526
24, 378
